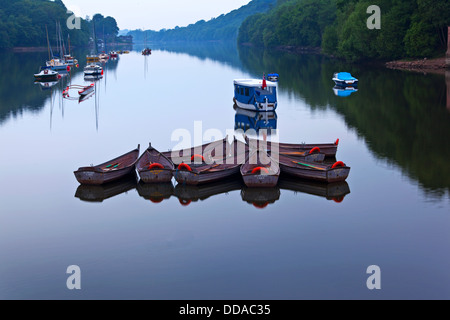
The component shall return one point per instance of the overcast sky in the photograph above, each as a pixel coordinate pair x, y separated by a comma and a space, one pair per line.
154, 14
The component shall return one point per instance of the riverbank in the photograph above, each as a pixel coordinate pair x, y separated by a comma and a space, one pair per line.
29, 49
437, 65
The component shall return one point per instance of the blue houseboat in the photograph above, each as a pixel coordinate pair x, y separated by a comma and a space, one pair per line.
255, 95
345, 79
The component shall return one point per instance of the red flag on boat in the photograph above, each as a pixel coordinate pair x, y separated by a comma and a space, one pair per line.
264, 84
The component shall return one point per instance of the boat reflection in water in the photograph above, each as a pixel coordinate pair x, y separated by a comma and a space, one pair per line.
344, 92
187, 194
93, 77
156, 192
331, 191
252, 120
46, 85
261, 197
99, 193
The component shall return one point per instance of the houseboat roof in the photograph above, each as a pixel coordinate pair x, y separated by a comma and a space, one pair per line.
254, 83
344, 76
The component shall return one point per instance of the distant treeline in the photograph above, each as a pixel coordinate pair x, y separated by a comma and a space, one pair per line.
409, 28
224, 27
23, 24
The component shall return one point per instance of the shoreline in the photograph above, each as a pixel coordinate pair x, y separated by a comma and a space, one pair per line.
436, 65
45, 49
28, 49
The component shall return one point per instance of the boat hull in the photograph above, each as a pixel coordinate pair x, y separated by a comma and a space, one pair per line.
46, 78
59, 68
303, 152
156, 176
92, 73
86, 91
93, 177
330, 176
194, 179
330, 150
260, 180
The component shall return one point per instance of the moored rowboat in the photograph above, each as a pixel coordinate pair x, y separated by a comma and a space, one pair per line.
329, 173
86, 90
329, 149
209, 150
313, 154
216, 164
260, 170
109, 171
154, 167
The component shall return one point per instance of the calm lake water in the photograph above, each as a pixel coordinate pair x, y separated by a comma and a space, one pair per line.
296, 241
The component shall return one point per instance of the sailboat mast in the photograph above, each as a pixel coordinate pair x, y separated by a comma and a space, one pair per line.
56, 39
95, 38
68, 40
63, 49
48, 44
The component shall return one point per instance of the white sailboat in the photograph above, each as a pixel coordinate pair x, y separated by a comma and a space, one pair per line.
58, 63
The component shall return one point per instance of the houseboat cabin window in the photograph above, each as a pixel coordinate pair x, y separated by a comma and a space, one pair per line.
247, 92
242, 91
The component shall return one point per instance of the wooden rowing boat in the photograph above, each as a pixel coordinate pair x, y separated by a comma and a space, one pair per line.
328, 149
260, 198
313, 171
217, 163
260, 170
154, 167
331, 191
187, 193
109, 171
313, 154
100, 193
156, 192
215, 149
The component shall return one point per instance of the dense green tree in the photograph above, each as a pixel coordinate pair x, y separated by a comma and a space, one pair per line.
414, 28
25, 23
